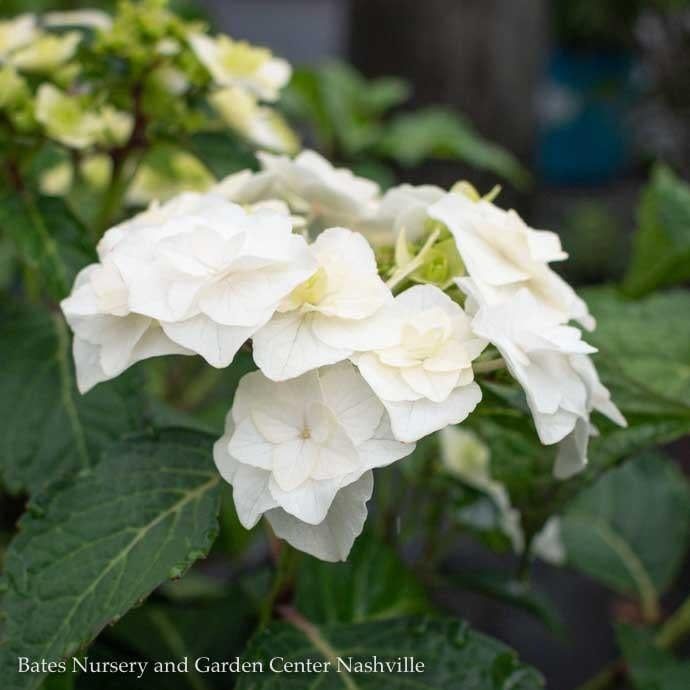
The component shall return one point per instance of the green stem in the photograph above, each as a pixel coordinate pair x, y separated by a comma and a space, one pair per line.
404, 271
115, 193
676, 628
489, 365
282, 583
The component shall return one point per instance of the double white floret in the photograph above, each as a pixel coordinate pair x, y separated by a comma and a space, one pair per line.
205, 272
301, 452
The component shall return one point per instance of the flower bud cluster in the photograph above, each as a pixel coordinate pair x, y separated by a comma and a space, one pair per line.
106, 86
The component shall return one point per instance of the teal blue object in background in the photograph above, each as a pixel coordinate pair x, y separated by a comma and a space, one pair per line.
584, 110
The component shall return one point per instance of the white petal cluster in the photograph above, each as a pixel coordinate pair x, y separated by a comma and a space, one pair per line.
205, 273
350, 376
424, 374
550, 361
328, 317
301, 452
401, 209
503, 255
313, 187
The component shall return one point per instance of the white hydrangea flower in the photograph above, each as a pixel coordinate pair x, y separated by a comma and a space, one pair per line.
108, 337
549, 361
313, 187
46, 53
467, 457
548, 543
424, 374
263, 126
503, 255
16, 33
209, 271
301, 452
401, 209
247, 187
237, 63
328, 317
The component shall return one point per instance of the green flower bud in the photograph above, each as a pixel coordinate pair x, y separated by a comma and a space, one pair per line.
442, 264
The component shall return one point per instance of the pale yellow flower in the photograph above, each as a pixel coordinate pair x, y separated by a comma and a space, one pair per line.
237, 63
262, 125
47, 52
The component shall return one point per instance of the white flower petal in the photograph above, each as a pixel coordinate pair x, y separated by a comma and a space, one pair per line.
332, 539
352, 401
250, 447
386, 381
309, 501
413, 420
287, 347
436, 386
216, 343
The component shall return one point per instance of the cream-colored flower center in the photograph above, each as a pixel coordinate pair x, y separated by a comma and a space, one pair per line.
423, 338
241, 58
308, 293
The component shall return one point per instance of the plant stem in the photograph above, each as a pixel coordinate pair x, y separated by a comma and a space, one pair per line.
673, 631
282, 583
676, 628
413, 265
115, 193
489, 365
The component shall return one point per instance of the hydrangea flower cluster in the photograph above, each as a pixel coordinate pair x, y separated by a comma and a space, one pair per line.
369, 316
173, 80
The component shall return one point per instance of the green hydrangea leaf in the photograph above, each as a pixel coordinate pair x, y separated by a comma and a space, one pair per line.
661, 255
372, 584
50, 430
91, 547
454, 656
637, 552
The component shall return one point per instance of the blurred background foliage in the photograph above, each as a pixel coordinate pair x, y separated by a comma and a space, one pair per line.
581, 110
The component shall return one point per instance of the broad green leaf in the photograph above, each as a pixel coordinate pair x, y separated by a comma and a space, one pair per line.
644, 349
346, 110
440, 133
509, 590
649, 667
49, 429
372, 584
92, 547
49, 239
662, 242
454, 657
631, 529
217, 627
